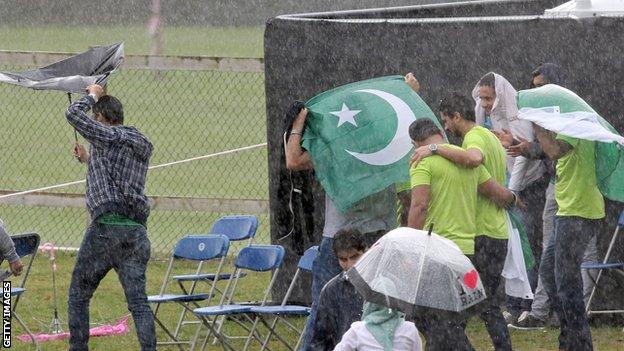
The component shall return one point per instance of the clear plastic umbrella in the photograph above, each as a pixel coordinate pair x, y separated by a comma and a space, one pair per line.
425, 268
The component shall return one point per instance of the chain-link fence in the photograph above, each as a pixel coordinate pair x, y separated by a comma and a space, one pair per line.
186, 113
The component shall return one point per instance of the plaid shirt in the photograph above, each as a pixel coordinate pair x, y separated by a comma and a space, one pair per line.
117, 166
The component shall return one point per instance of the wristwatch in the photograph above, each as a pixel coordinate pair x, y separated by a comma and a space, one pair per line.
433, 148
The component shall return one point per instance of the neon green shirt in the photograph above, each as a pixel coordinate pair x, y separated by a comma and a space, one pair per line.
576, 190
453, 198
491, 219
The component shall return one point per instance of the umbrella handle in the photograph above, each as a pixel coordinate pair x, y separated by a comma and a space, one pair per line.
430, 229
70, 102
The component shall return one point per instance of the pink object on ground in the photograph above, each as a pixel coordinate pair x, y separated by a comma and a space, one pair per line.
103, 330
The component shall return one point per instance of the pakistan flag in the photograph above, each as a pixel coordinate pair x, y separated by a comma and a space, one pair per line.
358, 136
561, 111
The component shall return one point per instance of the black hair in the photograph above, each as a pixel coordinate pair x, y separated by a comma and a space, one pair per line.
460, 103
488, 80
348, 239
423, 128
111, 108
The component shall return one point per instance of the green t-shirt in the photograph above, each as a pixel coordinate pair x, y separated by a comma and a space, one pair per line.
491, 219
453, 201
576, 190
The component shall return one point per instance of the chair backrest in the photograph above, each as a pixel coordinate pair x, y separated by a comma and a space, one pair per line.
236, 227
260, 258
202, 247
26, 244
306, 261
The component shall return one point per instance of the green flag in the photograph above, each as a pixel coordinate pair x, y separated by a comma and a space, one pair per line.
562, 111
358, 136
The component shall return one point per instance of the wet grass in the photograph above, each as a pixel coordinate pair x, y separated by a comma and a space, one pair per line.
187, 41
108, 305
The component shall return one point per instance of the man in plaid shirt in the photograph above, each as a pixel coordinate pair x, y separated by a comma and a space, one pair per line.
117, 165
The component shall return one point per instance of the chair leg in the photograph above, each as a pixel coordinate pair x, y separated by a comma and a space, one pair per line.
32, 336
160, 323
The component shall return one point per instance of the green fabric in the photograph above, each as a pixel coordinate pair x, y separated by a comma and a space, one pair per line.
491, 219
527, 253
345, 177
609, 158
116, 219
382, 322
576, 191
453, 201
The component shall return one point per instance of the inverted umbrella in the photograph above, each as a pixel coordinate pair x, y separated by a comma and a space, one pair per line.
73, 74
426, 270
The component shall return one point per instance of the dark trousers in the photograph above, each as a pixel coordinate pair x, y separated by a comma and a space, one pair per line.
561, 276
443, 330
126, 249
489, 259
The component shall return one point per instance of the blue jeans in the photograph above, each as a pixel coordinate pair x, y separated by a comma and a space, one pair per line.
561, 275
126, 249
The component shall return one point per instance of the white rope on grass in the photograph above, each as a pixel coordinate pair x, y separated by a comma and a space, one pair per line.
220, 153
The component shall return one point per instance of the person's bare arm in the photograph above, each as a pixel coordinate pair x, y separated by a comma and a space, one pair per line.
421, 195
553, 148
500, 195
470, 158
297, 159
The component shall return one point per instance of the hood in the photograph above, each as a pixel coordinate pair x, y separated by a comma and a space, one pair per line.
553, 74
139, 143
504, 109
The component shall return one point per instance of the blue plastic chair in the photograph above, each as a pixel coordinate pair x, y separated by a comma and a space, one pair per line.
198, 248
26, 244
236, 228
605, 265
256, 258
279, 312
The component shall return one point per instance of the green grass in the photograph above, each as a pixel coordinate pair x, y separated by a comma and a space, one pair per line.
187, 41
108, 305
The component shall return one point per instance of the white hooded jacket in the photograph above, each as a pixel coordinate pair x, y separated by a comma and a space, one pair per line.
504, 115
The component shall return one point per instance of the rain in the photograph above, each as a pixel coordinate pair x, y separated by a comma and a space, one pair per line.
283, 175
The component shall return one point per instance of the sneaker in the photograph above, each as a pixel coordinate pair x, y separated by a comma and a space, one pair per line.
527, 322
509, 318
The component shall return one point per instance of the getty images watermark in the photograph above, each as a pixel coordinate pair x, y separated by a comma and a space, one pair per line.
6, 314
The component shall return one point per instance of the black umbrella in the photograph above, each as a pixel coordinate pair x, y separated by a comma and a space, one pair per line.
73, 74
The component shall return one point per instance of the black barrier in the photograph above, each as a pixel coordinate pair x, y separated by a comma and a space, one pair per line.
448, 47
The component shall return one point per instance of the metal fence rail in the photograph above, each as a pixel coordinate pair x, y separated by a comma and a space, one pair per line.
203, 110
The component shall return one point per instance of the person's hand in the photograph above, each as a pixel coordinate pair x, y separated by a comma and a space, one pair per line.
16, 267
419, 154
520, 203
519, 149
411, 80
81, 153
300, 120
96, 90
504, 136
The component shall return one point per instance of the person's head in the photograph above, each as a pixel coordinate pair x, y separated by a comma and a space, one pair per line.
108, 110
487, 91
548, 73
348, 246
422, 129
456, 110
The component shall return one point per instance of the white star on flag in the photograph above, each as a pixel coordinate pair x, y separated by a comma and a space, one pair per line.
345, 115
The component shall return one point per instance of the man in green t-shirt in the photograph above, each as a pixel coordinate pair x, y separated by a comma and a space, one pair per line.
480, 148
581, 207
444, 195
